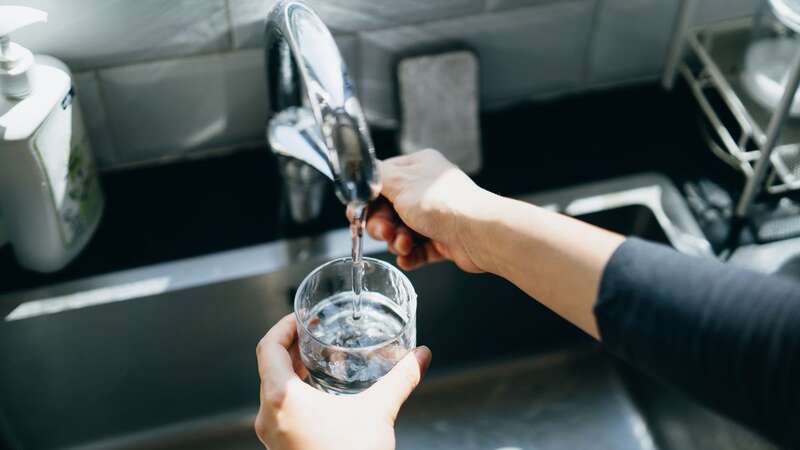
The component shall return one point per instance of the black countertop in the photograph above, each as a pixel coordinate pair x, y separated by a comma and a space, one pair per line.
196, 207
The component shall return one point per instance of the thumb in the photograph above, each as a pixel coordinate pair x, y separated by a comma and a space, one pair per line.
392, 390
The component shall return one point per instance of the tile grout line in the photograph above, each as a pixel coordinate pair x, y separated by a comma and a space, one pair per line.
463, 14
229, 21
191, 155
101, 93
356, 72
549, 95
590, 39
144, 62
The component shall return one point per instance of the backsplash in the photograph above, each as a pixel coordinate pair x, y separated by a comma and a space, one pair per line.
174, 78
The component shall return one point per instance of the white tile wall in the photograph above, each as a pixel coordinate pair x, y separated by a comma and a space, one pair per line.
534, 49
349, 48
171, 107
497, 5
94, 116
349, 15
169, 77
93, 33
247, 20
631, 39
713, 10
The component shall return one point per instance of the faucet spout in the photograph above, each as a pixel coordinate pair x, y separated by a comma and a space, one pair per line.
308, 79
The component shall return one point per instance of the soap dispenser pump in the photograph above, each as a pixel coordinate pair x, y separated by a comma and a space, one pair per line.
16, 60
50, 197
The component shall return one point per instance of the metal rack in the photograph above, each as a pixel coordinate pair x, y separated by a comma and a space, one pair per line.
763, 144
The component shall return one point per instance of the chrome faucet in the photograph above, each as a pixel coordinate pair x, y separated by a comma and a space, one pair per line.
316, 124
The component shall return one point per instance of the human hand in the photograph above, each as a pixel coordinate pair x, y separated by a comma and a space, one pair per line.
425, 211
294, 415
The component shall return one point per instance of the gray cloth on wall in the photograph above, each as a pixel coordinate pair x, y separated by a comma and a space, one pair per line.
439, 103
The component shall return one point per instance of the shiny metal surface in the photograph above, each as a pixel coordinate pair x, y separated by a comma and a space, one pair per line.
760, 143
779, 257
565, 400
294, 134
170, 365
307, 77
305, 189
776, 124
653, 192
295, 139
788, 12
683, 22
791, 268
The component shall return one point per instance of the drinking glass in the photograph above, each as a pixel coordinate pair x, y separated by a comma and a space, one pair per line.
345, 355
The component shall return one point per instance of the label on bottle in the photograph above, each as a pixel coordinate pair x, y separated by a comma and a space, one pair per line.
65, 153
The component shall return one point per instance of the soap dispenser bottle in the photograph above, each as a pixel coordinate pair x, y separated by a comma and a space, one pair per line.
50, 197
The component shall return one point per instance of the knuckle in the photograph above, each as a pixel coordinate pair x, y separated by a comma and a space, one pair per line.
393, 178
274, 399
433, 154
258, 425
373, 232
427, 203
261, 345
396, 162
410, 376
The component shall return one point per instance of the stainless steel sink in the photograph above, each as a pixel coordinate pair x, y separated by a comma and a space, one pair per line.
162, 357
791, 268
781, 258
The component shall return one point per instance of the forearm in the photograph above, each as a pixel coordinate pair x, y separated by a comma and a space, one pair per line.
554, 258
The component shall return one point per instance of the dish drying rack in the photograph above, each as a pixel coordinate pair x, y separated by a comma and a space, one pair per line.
763, 144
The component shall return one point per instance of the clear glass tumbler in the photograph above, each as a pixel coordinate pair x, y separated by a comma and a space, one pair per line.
345, 355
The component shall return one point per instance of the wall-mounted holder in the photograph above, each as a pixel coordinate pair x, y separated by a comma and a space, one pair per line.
749, 116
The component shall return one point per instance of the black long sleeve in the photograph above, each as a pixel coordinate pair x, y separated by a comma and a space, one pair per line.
728, 337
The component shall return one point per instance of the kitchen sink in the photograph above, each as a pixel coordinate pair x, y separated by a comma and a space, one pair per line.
781, 258
162, 357
791, 268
